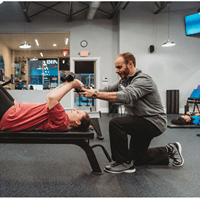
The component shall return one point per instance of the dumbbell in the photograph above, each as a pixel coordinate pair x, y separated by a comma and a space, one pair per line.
69, 78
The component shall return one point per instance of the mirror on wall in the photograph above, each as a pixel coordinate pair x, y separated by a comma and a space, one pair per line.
1, 62
37, 60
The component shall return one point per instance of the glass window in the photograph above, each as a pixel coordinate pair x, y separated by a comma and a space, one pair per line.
42, 74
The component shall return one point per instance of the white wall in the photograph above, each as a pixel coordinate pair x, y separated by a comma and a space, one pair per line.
174, 67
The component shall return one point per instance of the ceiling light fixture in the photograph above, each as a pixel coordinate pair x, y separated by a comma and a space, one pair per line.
25, 46
168, 43
37, 43
34, 59
54, 45
41, 54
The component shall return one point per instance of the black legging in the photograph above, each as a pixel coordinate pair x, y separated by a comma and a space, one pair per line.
6, 101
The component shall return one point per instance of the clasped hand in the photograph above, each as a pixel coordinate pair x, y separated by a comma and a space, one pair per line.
88, 93
76, 83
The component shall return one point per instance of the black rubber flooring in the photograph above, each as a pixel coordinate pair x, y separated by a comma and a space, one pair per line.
36, 170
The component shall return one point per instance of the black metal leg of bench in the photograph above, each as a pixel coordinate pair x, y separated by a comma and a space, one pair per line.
91, 156
95, 124
109, 110
104, 150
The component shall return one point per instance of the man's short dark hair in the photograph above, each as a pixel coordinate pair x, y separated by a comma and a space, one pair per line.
127, 56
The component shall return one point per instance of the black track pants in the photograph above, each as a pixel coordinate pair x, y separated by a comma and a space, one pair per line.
6, 101
142, 132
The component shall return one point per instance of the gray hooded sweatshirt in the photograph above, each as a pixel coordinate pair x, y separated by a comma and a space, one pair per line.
140, 96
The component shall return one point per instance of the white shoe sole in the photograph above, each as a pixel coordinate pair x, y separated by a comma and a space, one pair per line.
180, 150
126, 171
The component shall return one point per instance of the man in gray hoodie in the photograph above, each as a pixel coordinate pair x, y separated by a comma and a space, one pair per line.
146, 119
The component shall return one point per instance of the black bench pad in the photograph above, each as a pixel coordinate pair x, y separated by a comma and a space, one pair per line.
69, 134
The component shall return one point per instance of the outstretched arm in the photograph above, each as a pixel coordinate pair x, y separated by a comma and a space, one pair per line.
108, 96
52, 91
56, 95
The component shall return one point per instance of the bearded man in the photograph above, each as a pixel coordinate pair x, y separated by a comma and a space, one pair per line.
145, 119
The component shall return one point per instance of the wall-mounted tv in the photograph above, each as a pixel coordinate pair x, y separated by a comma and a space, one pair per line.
192, 24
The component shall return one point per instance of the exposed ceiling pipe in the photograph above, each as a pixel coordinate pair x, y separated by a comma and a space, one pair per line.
92, 10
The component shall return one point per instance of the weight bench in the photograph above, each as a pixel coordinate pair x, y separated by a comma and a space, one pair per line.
71, 136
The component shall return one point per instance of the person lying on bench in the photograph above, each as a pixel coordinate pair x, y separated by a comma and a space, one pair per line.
49, 116
187, 119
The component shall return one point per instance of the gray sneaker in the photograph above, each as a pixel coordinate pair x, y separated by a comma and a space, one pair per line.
117, 168
175, 151
108, 167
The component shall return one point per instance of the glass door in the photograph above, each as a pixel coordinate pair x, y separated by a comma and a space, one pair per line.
84, 71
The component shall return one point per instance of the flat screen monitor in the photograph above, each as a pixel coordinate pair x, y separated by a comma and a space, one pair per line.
192, 24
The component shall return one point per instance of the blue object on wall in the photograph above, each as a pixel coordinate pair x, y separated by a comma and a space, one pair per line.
192, 24
195, 94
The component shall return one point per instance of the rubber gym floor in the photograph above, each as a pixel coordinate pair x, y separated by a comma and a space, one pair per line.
35, 170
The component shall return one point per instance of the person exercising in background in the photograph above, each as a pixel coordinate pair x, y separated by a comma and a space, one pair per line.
189, 118
49, 116
146, 119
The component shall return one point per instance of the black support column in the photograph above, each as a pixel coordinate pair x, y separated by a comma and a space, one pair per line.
172, 101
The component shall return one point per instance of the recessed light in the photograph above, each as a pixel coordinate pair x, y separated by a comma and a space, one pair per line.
41, 54
37, 43
66, 41
54, 45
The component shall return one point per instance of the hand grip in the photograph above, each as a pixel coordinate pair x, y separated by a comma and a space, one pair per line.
78, 90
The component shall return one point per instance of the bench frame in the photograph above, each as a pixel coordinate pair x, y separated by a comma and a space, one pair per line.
76, 137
